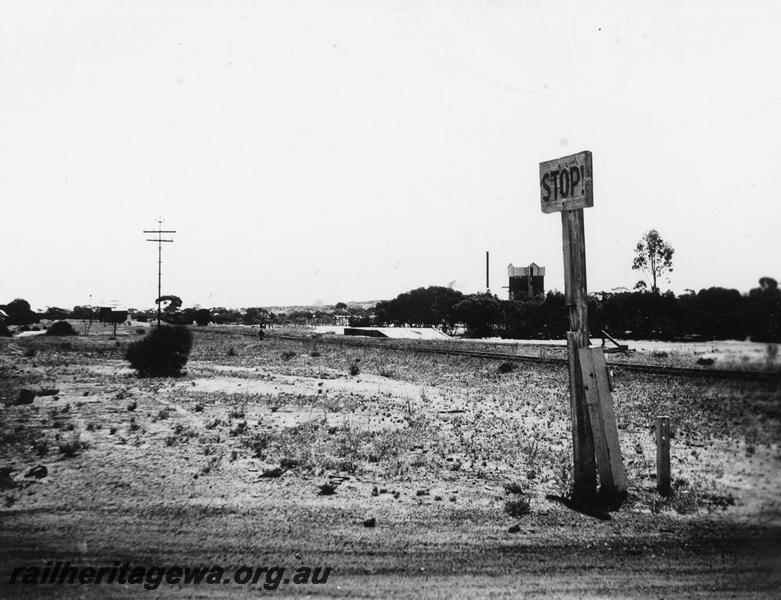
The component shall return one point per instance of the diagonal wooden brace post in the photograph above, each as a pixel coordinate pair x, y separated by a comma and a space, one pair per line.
602, 419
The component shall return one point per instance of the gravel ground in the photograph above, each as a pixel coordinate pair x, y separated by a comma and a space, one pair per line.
227, 466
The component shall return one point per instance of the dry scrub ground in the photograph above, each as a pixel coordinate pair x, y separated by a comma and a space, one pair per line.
278, 452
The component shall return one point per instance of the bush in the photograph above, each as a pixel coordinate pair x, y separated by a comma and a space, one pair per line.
513, 487
4, 331
162, 353
61, 328
518, 507
71, 446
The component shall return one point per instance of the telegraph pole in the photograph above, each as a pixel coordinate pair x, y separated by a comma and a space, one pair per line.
89, 326
487, 283
159, 239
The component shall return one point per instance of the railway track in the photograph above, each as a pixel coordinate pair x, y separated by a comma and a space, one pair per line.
422, 347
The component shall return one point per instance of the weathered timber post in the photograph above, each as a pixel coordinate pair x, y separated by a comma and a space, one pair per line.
575, 296
663, 455
566, 187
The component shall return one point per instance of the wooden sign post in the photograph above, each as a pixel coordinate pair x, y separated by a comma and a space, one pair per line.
566, 186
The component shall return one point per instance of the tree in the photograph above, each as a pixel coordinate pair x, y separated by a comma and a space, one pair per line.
203, 316
81, 312
434, 305
360, 317
422, 306
55, 313
479, 312
174, 303
255, 315
171, 312
19, 312
653, 255
767, 286
764, 311
222, 316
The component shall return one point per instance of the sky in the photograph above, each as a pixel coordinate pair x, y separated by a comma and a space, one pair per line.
323, 151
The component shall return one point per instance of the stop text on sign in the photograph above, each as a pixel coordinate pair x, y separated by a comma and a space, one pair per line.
566, 183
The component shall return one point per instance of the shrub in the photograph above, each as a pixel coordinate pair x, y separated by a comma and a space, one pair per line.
259, 443
513, 487
162, 353
41, 447
517, 507
61, 328
386, 371
4, 331
70, 447
327, 489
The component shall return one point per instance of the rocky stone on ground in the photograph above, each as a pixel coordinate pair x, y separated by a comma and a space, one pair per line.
38, 472
26, 396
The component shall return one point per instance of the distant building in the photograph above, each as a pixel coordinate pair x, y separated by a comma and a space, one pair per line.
342, 320
526, 282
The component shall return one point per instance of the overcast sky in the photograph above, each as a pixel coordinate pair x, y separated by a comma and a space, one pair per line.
333, 151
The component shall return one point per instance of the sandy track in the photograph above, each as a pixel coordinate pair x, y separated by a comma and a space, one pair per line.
562, 553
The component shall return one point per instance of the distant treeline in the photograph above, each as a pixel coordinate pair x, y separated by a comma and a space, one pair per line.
713, 313
20, 314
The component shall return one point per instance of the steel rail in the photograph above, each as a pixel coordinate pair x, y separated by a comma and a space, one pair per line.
417, 346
